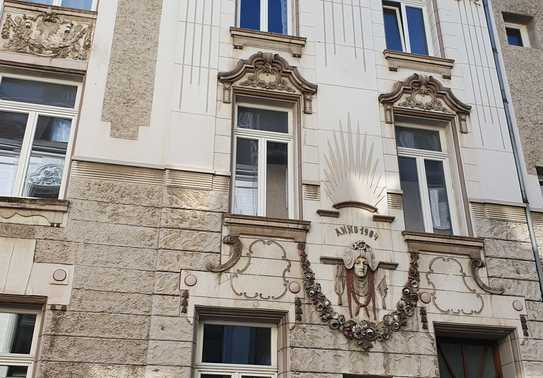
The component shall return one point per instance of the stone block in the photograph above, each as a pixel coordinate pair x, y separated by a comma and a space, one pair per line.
166, 305
196, 199
112, 234
533, 369
171, 328
167, 371
56, 252
167, 283
113, 279
191, 219
534, 310
528, 289
94, 211
48, 369
508, 268
174, 261
110, 302
508, 249
171, 353
114, 192
189, 240
531, 350
103, 325
87, 349
99, 255
535, 329
495, 229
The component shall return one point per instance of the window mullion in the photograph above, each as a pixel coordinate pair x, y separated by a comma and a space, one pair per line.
405, 29
450, 196
262, 174
26, 150
425, 198
264, 15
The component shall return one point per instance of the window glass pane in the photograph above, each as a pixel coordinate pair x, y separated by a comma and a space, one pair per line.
514, 37
38, 92
231, 344
450, 360
417, 32
79, 4
12, 131
12, 371
412, 205
46, 165
246, 181
437, 191
421, 139
16, 332
249, 14
277, 180
47, 2
392, 29
479, 359
262, 119
277, 16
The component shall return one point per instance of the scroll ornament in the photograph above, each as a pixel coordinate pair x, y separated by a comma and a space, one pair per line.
364, 332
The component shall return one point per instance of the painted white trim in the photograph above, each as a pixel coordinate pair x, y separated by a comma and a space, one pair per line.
524, 35
401, 16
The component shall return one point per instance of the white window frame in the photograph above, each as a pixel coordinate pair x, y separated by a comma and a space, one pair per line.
236, 371
33, 111
13, 359
264, 16
263, 137
523, 33
58, 3
402, 22
420, 156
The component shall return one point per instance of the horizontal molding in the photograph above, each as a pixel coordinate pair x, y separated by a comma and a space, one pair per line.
254, 38
433, 64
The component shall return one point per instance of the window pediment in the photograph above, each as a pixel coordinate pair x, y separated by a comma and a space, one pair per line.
270, 75
424, 96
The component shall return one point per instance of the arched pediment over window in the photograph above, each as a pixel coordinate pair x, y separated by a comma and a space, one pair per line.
424, 96
269, 75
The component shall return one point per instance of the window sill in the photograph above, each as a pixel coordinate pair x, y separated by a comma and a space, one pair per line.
33, 211
397, 60
55, 8
254, 38
268, 227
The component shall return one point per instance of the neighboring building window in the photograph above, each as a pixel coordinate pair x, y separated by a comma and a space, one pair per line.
264, 15
79, 4
18, 341
425, 180
460, 358
540, 177
517, 34
263, 162
405, 27
36, 127
236, 350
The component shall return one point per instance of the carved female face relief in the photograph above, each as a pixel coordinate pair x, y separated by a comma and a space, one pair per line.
360, 267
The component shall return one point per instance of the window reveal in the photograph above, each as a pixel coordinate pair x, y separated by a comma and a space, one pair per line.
405, 28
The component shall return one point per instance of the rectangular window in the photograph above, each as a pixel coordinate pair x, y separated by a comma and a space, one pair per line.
517, 34
263, 168
540, 177
77, 4
18, 341
405, 28
236, 350
425, 180
264, 15
460, 358
36, 127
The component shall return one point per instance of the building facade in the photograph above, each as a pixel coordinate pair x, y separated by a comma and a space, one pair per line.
269, 188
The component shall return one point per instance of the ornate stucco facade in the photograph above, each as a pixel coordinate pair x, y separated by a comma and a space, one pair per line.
144, 245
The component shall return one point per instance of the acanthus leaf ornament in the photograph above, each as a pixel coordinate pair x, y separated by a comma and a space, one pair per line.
47, 34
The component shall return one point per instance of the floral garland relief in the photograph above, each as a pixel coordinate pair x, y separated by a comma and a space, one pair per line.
364, 332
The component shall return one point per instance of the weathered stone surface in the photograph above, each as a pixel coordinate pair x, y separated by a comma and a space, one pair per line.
110, 302
176, 328
167, 371
166, 305
534, 310
506, 268
114, 192
190, 240
489, 228
191, 219
99, 255
101, 325
174, 261
196, 199
114, 213
532, 350
167, 283
56, 252
48, 369
172, 353
112, 234
533, 369
535, 329
528, 289
86, 349
508, 249
113, 279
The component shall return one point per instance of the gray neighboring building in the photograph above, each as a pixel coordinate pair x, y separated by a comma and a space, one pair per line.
269, 188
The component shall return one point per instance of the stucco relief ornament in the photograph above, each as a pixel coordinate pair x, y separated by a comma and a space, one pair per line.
267, 76
47, 34
364, 332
